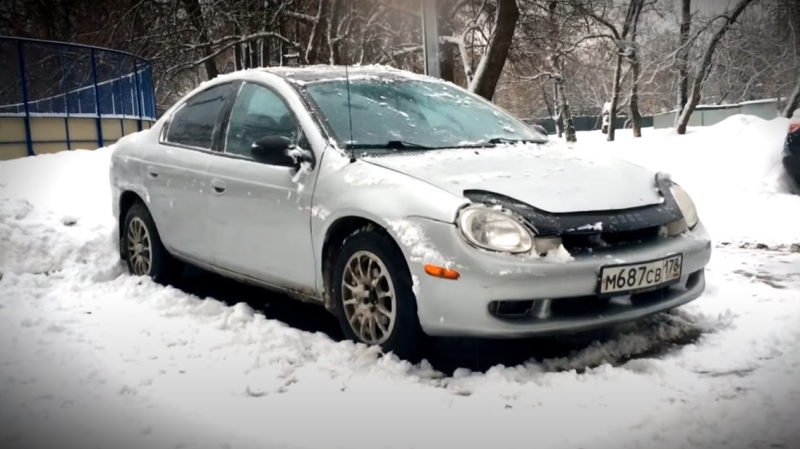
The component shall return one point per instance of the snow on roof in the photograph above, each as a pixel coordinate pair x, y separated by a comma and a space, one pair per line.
314, 73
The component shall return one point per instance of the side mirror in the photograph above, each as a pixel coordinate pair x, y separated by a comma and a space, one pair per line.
279, 151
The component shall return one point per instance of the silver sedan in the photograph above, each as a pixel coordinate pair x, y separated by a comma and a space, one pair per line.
405, 205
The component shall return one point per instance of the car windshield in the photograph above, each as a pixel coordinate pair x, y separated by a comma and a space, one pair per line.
413, 114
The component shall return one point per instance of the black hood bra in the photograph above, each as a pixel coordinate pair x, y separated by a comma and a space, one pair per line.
575, 223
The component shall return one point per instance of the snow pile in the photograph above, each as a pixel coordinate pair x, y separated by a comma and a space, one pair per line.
55, 212
732, 170
74, 183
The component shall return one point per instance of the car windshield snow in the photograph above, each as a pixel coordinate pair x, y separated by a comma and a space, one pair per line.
413, 114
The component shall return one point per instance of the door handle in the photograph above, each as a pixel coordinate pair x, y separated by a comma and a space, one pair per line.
152, 173
218, 186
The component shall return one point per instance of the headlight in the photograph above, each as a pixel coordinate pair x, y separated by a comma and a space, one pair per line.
686, 205
494, 230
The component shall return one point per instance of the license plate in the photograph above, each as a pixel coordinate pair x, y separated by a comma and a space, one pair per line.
631, 278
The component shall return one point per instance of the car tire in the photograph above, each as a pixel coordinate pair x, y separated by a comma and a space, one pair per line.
387, 281
144, 251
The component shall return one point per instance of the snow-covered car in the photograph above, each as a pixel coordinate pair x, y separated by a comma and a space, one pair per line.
405, 205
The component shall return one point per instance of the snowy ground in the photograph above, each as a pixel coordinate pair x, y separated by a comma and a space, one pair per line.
90, 357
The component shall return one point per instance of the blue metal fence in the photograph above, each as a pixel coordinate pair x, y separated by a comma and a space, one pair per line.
56, 79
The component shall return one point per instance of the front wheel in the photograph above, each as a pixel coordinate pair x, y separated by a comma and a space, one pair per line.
374, 297
144, 253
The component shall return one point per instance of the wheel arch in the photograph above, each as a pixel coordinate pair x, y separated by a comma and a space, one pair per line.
126, 200
336, 234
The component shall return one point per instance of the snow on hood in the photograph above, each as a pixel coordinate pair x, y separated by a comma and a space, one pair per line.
549, 177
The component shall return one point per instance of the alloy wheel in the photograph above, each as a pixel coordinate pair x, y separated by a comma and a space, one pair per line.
369, 298
140, 251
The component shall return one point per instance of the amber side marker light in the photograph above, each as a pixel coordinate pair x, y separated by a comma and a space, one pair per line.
441, 272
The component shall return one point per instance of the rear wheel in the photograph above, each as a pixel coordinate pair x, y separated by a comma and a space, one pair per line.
374, 298
144, 253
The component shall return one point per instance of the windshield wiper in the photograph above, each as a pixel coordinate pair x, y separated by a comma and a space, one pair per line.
502, 140
400, 145
390, 145
404, 145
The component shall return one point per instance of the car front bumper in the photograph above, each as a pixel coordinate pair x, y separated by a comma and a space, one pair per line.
563, 296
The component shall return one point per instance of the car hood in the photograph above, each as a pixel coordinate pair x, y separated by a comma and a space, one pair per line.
548, 177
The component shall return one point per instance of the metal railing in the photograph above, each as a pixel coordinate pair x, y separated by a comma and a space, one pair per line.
57, 79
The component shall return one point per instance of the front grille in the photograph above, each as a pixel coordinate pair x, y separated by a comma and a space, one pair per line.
576, 242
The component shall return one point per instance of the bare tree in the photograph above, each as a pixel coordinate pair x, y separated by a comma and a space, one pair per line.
564, 121
623, 49
511, 51
494, 57
195, 13
793, 102
701, 76
633, 58
683, 56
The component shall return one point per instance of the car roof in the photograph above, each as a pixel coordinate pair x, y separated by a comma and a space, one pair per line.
319, 73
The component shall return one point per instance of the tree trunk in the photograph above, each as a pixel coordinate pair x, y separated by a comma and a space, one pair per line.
314, 44
281, 45
196, 17
612, 111
238, 57
248, 55
491, 66
565, 113
705, 67
683, 57
555, 67
636, 116
632, 54
793, 102
265, 47
558, 118
546, 103
447, 53
333, 27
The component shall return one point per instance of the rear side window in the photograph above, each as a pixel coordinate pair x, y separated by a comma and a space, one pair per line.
193, 124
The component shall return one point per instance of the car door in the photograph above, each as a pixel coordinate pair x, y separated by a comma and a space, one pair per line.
176, 175
259, 213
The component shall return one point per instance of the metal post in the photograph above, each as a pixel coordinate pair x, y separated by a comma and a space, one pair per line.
430, 39
28, 138
138, 93
152, 90
121, 97
66, 95
99, 122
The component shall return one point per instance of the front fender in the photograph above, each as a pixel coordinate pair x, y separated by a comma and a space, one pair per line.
388, 198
